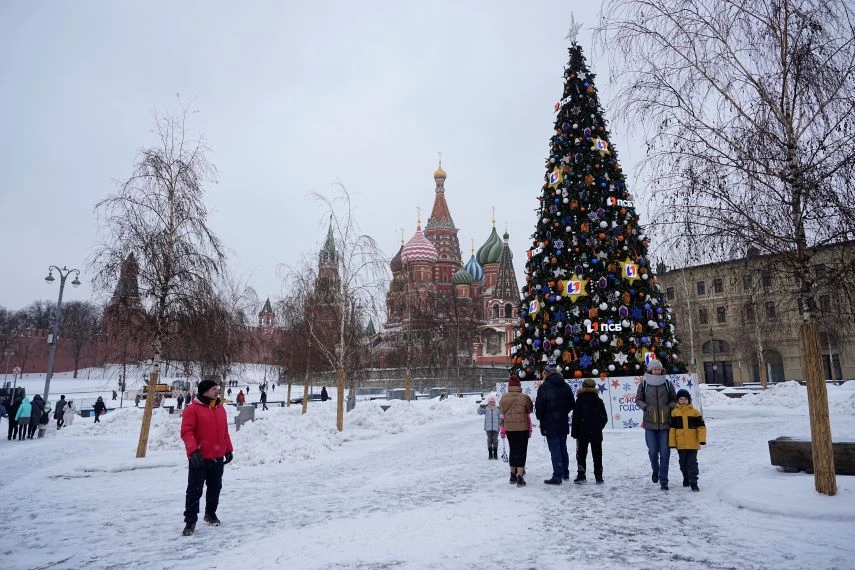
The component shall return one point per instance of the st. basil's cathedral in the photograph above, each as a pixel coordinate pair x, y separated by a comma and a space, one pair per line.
437, 304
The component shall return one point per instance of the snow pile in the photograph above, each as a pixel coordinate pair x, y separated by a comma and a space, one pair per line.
786, 395
715, 398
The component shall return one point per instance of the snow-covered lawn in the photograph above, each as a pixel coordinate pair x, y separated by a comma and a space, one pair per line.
411, 488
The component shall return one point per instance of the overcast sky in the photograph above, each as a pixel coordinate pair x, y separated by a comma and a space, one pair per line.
290, 96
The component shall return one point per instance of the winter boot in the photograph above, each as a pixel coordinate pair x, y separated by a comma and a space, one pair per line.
664, 486
553, 481
599, 479
695, 487
211, 519
520, 480
580, 479
655, 477
189, 529
513, 480
496, 453
685, 482
489, 453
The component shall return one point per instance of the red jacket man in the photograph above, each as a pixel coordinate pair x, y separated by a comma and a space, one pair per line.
205, 432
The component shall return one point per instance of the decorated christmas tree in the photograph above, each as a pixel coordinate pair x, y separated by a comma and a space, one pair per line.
591, 303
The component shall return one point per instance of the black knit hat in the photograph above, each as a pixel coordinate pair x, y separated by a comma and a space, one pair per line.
206, 385
684, 394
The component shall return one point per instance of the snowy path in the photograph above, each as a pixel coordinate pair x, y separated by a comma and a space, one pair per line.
423, 498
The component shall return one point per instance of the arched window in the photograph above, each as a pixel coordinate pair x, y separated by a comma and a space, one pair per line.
509, 311
495, 311
716, 345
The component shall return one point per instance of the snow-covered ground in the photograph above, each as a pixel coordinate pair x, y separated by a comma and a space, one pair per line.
411, 488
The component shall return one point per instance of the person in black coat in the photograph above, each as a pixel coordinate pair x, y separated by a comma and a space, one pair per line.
552, 408
38, 408
180, 400
324, 395
589, 419
12, 405
100, 408
263, 400
59, 411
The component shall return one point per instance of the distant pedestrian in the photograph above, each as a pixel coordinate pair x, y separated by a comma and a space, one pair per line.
57, 414
137, 400
100, 408
516, 424
229, 392
492, 420
263, 400
115, 395
589, 419
241, 398
687, 434
273, 387
247, 389
324, 395
38, 408
553, 407
180, 400
69, 413
205, 432
23, 418
12, 406
656, 397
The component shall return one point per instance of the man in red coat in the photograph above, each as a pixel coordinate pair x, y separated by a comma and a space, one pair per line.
205, 432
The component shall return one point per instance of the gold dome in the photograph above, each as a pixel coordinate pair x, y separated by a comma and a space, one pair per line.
439, 173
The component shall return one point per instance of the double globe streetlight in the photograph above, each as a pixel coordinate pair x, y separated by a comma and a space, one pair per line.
63, 275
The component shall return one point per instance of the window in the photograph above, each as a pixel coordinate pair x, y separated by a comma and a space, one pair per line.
821, 271
747, 282
750, 313
718, 286
770, 310
721, 314
495, 311
669, 293
702, 288
825, 303
702, 316
509, 311
766, 277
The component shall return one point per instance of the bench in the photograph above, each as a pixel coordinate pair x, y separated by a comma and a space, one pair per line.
794, 455
279, 403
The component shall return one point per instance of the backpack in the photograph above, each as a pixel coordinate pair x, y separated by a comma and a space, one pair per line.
668, 386
45, 419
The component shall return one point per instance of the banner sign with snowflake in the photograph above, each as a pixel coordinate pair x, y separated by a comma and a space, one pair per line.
618, 394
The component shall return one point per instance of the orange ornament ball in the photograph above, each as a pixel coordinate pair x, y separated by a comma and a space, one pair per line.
577, 374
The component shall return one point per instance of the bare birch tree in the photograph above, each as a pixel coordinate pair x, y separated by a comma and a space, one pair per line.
750, 138
159, 214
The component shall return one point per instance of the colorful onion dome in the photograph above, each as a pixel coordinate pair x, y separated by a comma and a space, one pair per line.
396, 264
491, 250
461, 277
419, 249
474, 269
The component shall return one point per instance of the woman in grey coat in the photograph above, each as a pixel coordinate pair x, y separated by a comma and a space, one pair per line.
492, 421
656, 397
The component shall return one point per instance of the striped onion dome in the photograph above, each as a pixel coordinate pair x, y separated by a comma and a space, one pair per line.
419, 248
461, 277
491, 250
475, 270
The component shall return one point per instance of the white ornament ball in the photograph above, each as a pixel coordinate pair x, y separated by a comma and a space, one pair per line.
604, 224
521, 373
644, 276
559, 340
611, 367
604, 306
528, 341
651, 324
587, 322
565, 200
556, 352
604, 338
594, 371
625, 323
668, 344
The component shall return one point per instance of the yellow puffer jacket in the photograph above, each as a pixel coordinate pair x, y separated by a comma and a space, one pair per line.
688, 430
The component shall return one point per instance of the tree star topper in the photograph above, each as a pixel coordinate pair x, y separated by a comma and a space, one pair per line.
574, 29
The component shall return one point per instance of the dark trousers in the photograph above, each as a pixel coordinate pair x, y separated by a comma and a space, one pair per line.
518, 442
210, 474
492, 439
13, 428
263, 405
557, 445
689, 465
582, 456
60, 420
32, 431
23, 425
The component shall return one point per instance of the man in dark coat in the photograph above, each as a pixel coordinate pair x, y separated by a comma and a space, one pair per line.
589, 419
324, 395
263, 400
180, 400
205, 432
552, 408
38, 408
58, 413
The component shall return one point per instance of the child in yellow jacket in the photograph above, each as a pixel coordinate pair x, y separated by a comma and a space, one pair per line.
687, 434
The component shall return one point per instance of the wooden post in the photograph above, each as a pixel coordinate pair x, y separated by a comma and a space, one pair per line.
288, 397
408, 386
142, 446
825, 481
339, 412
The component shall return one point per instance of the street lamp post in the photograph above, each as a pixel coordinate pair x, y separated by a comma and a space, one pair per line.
714, 365
63, 274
